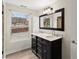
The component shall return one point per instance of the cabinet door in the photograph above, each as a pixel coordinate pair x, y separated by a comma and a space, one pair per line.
44, 51
56, 49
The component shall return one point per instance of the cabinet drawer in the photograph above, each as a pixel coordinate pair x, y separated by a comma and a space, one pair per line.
39, 52
34, 43
33, 36
39, 39
39, 45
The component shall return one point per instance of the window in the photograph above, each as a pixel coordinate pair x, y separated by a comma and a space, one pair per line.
20, 22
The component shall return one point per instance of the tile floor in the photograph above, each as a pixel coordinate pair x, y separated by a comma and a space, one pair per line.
25, 54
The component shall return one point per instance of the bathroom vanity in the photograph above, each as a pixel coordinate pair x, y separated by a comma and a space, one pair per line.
46, 46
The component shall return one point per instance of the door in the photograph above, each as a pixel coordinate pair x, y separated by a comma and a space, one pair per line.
74, 50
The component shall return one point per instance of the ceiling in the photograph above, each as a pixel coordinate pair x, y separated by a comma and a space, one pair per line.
32, 4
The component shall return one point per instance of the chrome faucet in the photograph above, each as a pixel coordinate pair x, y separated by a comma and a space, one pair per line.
53, 32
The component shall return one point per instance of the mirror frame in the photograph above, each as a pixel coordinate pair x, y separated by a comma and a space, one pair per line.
60, 29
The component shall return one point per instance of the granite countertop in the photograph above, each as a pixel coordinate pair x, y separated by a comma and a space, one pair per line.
46, 36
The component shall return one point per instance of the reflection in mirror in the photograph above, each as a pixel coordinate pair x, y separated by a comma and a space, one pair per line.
53, 21
45, 21
57, 20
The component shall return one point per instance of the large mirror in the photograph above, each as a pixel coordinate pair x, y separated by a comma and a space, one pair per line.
53, 21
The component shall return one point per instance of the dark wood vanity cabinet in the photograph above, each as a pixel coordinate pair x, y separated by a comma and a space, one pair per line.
48, 49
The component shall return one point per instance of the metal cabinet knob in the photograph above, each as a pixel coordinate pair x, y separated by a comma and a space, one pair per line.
74, 42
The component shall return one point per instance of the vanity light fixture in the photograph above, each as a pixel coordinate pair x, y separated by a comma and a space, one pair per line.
48, 10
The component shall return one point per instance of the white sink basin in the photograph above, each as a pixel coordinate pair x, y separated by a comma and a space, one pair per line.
49, 36
53, 36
